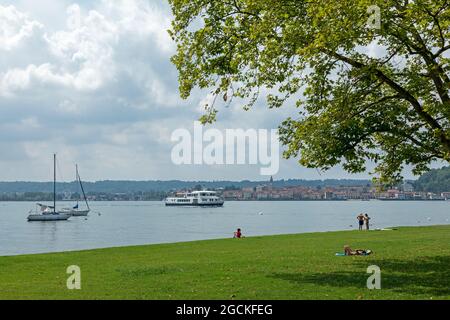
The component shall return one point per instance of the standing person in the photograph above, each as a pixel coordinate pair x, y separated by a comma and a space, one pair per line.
367, 221
360, 219
238, 234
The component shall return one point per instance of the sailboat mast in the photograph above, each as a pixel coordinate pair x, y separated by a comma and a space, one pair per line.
76, 177
54, 183
82, 189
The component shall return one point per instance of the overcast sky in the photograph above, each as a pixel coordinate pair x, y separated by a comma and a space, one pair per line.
92, 81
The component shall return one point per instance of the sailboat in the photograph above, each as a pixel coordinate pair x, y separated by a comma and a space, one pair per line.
49, 213
75, 211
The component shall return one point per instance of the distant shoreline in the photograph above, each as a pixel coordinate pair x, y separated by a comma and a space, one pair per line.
251, 200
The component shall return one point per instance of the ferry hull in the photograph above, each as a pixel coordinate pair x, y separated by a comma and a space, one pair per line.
194, 204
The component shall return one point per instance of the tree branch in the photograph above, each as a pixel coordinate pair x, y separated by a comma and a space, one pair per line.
433, 123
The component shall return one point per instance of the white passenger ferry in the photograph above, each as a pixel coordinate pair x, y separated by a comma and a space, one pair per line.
197, 199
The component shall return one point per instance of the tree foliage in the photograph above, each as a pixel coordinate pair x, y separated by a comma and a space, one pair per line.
392, 108
436, 180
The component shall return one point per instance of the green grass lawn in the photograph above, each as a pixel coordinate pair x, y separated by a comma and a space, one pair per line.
414, 262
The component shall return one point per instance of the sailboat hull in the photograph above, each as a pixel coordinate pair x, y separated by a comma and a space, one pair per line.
78, 213
49, 217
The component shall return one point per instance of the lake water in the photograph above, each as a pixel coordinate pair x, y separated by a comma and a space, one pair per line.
137, 223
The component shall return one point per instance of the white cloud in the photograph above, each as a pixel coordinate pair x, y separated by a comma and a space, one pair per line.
82, 57
87, 47
15, 27
22, 79
141, 18
93, 82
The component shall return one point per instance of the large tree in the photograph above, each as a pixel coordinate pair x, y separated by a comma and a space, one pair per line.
364, 90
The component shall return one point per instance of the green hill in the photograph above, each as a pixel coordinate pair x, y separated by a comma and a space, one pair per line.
436, 180
147, 186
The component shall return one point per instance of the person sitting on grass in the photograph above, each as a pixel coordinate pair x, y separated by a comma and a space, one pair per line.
238, 234
358, 252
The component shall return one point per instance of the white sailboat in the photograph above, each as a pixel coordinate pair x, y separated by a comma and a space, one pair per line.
75, 211
49, 213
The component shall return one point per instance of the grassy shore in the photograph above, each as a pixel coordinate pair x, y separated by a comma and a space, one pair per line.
414, 262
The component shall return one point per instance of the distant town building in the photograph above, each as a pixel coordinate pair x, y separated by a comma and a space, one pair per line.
407, 187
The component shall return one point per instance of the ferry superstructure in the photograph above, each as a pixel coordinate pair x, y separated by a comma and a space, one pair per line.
203, 198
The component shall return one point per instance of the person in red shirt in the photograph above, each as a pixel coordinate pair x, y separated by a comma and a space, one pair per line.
238, 234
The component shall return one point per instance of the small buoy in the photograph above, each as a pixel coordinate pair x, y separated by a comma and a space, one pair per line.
260, 213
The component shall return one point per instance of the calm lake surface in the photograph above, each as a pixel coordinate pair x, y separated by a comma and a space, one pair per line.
137, 223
